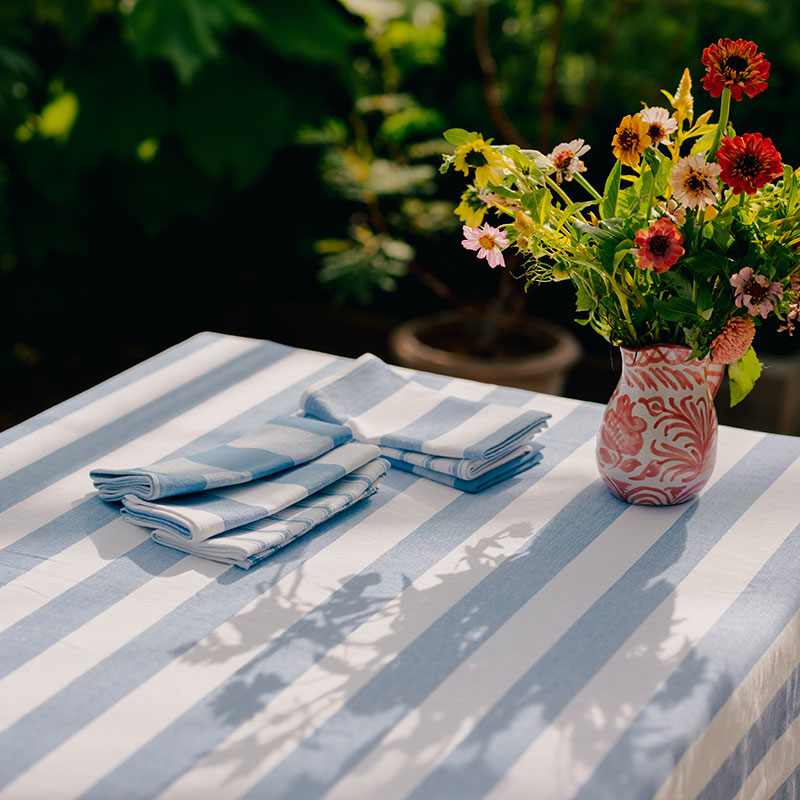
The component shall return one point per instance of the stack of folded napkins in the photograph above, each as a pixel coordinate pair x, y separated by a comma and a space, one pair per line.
462, 443
240, 502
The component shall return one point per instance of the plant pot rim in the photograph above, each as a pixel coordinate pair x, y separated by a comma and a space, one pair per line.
565, 351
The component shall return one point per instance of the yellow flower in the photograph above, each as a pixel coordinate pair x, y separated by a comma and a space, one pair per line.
488, 164
631, 140
471, 210
684, 102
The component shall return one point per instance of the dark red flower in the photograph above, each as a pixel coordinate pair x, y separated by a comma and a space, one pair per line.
737, 65
748, 162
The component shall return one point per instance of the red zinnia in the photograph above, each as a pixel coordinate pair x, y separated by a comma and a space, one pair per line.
748, 162
659, 247
737, 65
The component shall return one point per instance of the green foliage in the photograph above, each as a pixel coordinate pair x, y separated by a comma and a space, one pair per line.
742, 375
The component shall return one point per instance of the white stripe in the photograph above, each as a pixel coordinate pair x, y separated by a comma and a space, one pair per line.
32, 589
487, 419
428, 734
104, 410
394, 412
609, 702
45, 675
298, 711
98, 748
775, 768
703, 758
466, 390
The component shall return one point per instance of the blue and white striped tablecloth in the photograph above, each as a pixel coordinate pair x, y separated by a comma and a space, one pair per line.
538, 640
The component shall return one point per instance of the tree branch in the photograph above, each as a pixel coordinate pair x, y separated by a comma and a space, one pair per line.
488, 68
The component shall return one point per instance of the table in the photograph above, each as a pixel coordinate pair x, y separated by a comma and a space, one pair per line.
538, 640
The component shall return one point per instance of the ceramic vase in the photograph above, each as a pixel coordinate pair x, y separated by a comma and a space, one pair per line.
657, 443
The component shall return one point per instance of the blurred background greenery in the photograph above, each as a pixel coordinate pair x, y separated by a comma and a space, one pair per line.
269, 168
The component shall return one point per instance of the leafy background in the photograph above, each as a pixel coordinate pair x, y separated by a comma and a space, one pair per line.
268, 168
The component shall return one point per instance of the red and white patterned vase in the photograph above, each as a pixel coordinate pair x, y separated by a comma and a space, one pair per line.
657, 442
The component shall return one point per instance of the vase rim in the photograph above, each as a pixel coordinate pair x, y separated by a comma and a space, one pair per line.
652, 346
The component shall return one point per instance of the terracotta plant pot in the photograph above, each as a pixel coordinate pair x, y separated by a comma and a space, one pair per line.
537, 356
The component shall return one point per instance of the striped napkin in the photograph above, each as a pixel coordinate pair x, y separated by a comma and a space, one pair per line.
521, 459
200, 516
280, 444
250, 544
468, 439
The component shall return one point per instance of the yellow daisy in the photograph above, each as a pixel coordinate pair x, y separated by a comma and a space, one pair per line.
472, 209
631, 140
488, 164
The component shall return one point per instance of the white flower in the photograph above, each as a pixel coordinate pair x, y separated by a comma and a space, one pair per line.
695, 182
659, 124
673, 212
565, 159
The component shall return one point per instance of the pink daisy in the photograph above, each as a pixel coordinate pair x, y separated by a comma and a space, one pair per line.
755, 292
488, 241
659, 246
734, 340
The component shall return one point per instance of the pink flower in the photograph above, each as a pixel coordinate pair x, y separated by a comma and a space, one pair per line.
488, 241
659, 246
734, 340
755, 292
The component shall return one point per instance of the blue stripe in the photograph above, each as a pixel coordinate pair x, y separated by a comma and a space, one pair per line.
92, 514
202, 728
80, 603
135, 373
645, 755
333, 750
50, 468
449, 413
790, 788
374, 385
541, 694
88, 696
778, 715
255, 460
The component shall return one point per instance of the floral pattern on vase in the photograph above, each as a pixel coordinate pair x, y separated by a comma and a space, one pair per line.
657, 442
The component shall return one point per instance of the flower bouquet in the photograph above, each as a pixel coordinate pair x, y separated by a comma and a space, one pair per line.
692, 243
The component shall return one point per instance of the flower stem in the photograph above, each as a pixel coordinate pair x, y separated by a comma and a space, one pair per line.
724, 112
651, 197
562, 194
588, 186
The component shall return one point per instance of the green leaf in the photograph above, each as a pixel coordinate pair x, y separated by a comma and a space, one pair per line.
583, 300
676, 309
742, 375
184, 32
458, 136
622, 250
611, 192
234, 134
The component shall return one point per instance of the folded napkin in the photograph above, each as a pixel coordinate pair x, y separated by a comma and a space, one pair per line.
461, 443
280, 444
381, 406
250, 544
464, 468
199, 516
524, 458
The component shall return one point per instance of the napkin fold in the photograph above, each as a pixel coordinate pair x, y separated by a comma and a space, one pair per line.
524, 458
280, 444
197, 517
250, 544
381, 406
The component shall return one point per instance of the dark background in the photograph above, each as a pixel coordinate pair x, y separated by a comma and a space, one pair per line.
269, 169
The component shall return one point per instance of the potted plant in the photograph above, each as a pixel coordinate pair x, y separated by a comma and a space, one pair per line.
692, 243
